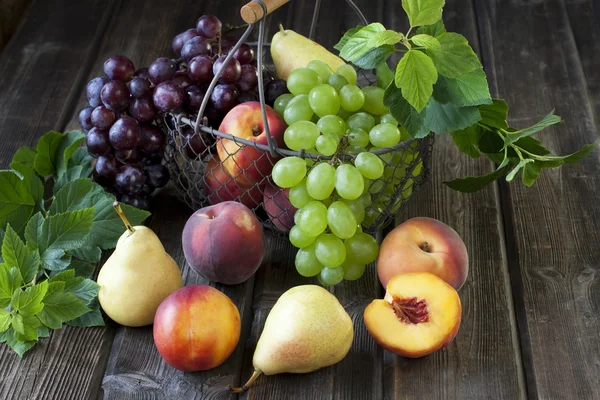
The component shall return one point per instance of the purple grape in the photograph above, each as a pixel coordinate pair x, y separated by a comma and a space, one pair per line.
143, 73
231, 72
97, 142
103, 118
139, 87
182, 79
208, 26
134, 156
274, 89
139, 201
130, 179
248, 78
197, 46
195, 145
168, 96
85, 119
119, 68
267, 76
152, 140
244, 54
247, 96
200, 69
213, 115
162, 69
107, 166
224, 97
227, 43
115, 95
146, 190
193, 98
180, 40
93, 89
124, 134
157, 175
142, 109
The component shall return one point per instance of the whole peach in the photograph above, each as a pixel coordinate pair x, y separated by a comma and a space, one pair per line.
278, 207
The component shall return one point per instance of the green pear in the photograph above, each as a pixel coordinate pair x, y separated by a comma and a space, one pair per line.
290, 51
307, 329
137, 276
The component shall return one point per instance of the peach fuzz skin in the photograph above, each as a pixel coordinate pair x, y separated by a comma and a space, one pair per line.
446, 254
196, 328
247, 164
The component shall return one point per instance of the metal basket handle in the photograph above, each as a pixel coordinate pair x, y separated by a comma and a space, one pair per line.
253, 11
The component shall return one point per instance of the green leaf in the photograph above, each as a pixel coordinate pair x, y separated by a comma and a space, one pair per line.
25, 155
42, 331
531, 172
19, 347
68, 143
532, 145
16, 254
547, 121
512, 174
357, 44
46, 151
55, 259
32, 180
470, 89
475, 183
455, 56
70, 175
82, 158
16, 201
411, 120
384, 75
33, 230
29, 301
434, 30
423, 12
86, 252
494, 115
580, 154
76, 195
415, 75
426, 41
374, 57
18, 324
66, 230
60, 307
92, 318
440, 118
387, 37
347, 35
85, 289
490, 142
30, 325
467, 140
5, 320
82, 268
63, 276
10, 281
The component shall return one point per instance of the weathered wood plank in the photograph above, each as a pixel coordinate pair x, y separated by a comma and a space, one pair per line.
40, 70
483, 361
552, 228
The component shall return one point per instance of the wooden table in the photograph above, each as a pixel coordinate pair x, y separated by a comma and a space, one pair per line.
531, 305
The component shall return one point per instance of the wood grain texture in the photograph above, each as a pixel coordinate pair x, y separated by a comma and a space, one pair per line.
552, 228
483, 362
40, 69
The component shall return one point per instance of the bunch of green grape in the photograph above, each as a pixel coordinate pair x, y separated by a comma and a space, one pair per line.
328, 115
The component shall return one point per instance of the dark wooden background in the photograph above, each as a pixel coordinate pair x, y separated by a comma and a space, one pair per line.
531, 305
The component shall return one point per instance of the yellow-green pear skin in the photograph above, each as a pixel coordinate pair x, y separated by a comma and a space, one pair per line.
307, 329
290, 51
136, 278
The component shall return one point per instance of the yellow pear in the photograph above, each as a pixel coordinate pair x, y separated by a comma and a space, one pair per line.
307, 329
290, 51
137, 276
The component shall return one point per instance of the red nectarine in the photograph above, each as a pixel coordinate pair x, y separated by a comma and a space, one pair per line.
278, 207
219, 187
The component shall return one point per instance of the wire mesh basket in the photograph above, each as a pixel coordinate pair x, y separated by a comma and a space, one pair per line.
209, 166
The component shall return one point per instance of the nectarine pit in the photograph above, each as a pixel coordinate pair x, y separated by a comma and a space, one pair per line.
410, 310
256, 131
425, 247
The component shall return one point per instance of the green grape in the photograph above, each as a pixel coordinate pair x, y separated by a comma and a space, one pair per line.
297, 216
384, 135
332, 124
341, 220
353, 270
371, 215
324, 100
313, 218
388, 119
358, 137
331, 276
361, 120
288, 171
327, 144
343, 114
297, 109
349, 183
361, 248
321, 68
348, 72
327, 202
355, 149
374, 100
321, 181
368, 184
281, 102
404, 135
337, 81
330, 250
307, 263
351, 98
365, 199
311, 161
302, 80
377, 186
301, 135
357, 207
386, 157
369, 165
298, 195
299, 238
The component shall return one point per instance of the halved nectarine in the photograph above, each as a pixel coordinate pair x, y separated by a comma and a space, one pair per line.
420, 314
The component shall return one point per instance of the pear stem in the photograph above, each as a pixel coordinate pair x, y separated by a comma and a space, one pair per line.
255, 375
126, 222
281, 28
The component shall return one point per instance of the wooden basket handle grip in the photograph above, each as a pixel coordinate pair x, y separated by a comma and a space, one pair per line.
253, 12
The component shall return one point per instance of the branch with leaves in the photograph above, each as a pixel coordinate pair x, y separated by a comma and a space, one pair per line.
439, 86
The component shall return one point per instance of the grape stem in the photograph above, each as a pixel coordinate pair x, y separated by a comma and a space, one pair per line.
340, 149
